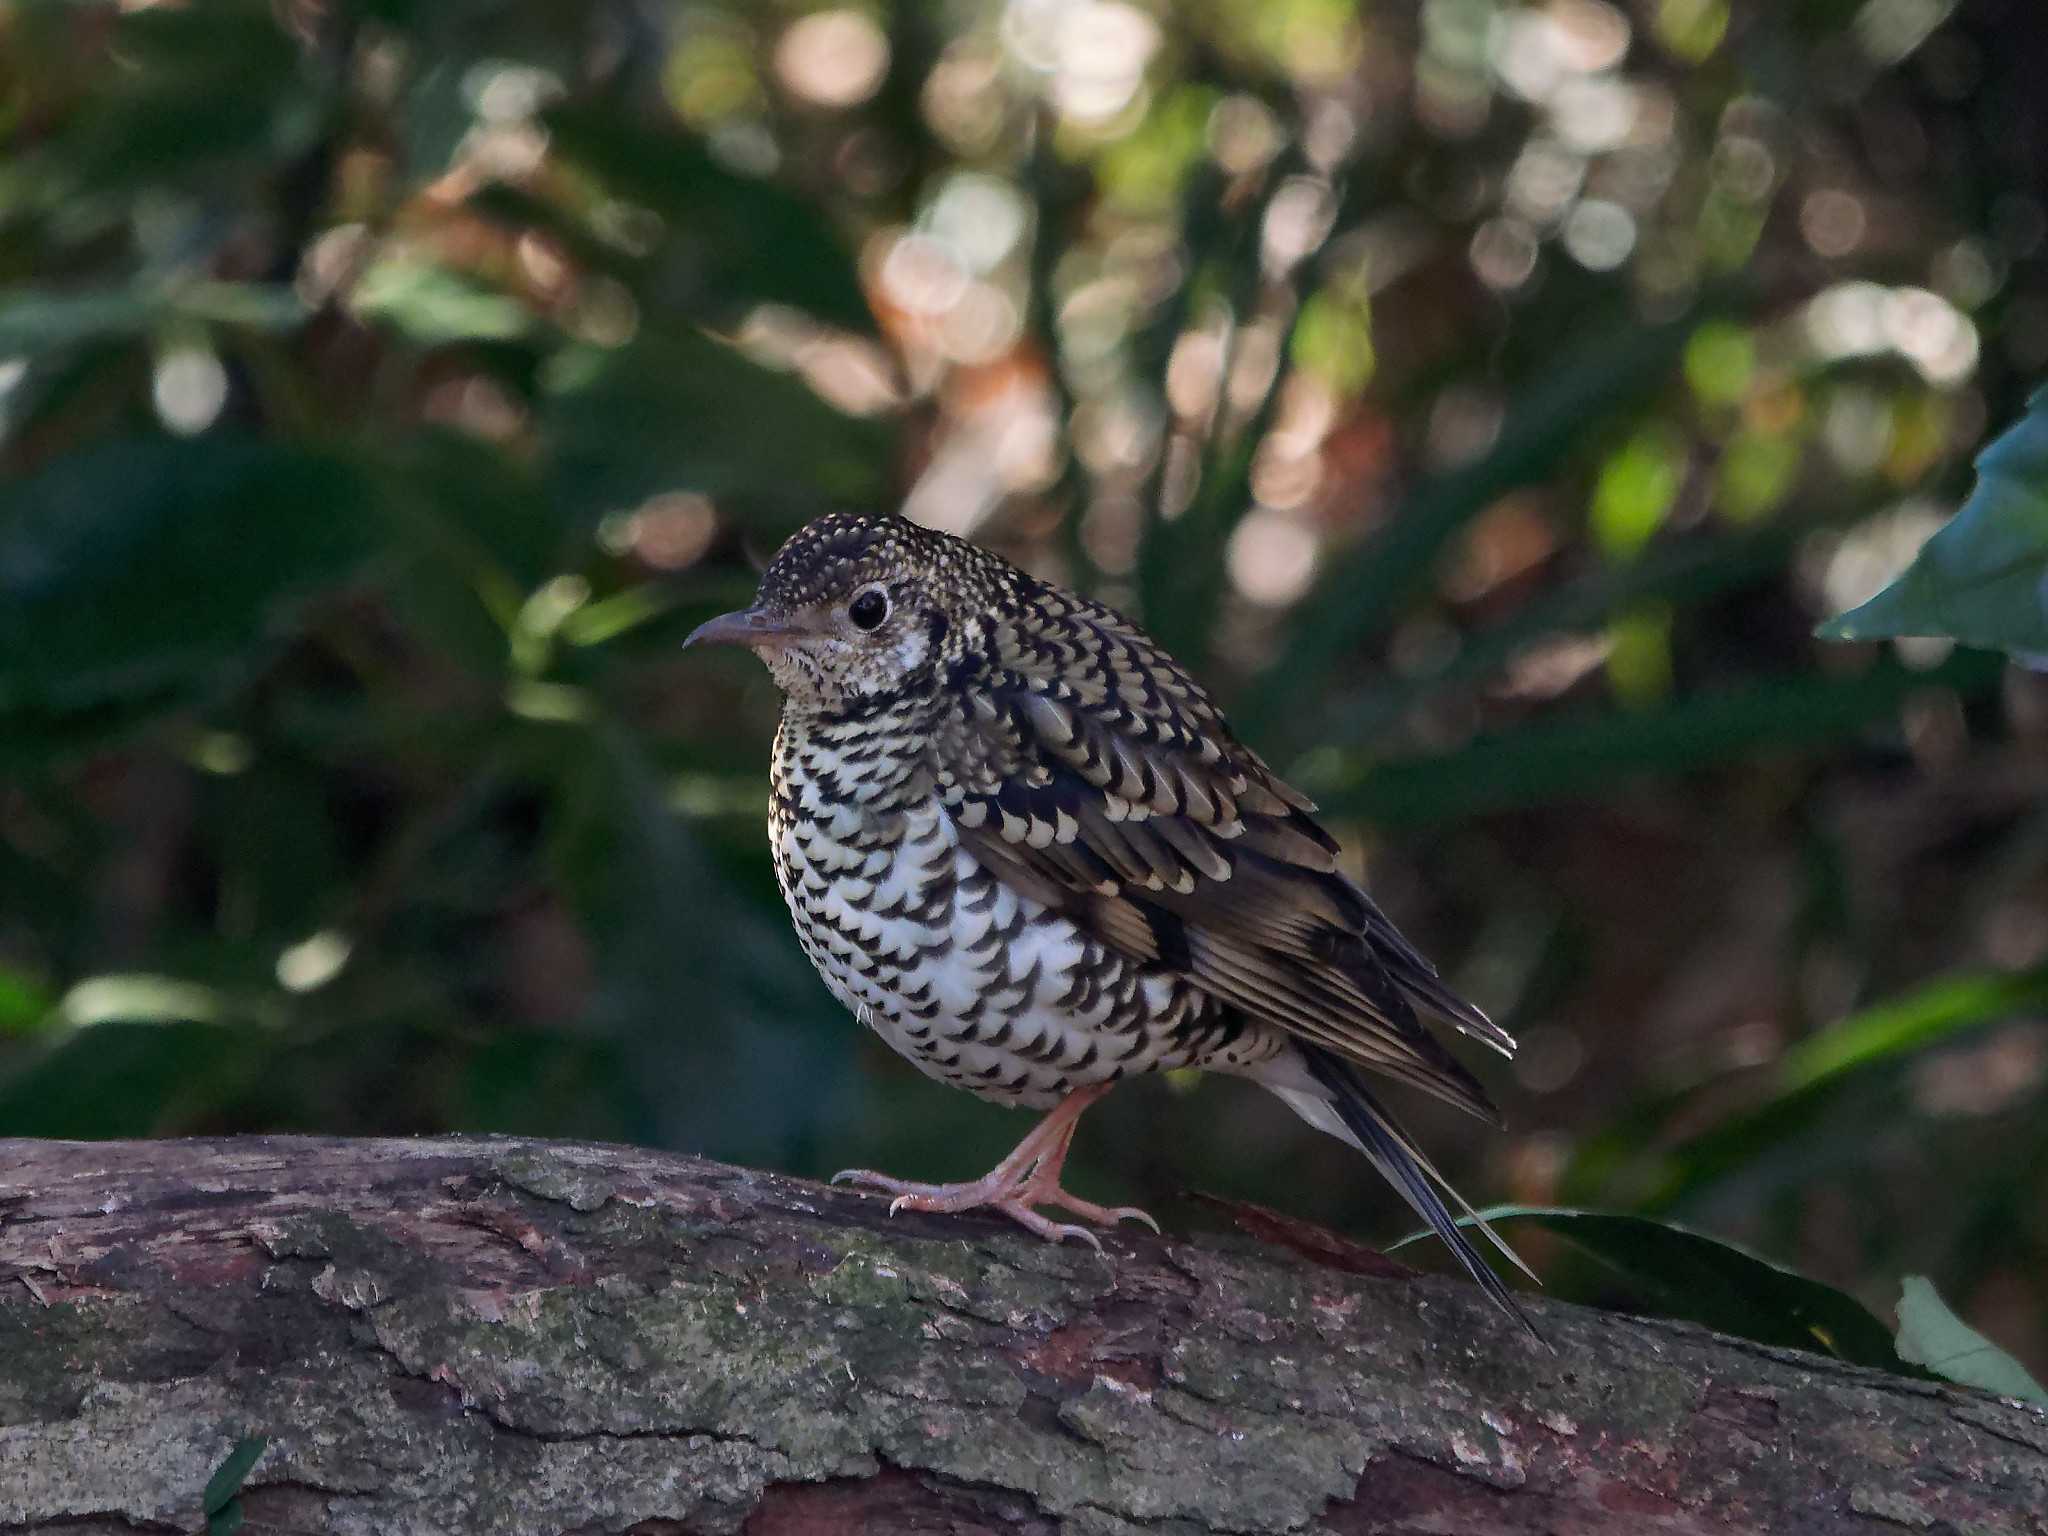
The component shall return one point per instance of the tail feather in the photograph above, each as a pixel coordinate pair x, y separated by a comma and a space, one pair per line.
1360, 1120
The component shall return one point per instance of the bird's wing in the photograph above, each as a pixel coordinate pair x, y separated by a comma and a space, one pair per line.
1086, 769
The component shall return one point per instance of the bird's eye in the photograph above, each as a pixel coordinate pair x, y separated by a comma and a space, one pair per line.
868, 609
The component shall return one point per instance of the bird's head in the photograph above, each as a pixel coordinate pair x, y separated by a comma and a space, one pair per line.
860, 610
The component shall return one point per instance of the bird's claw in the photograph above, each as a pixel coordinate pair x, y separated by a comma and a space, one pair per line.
1018, 1209
1060, 1231
903, 1189
860, 1176
1101, 1215
1015, 1203
1052, 1231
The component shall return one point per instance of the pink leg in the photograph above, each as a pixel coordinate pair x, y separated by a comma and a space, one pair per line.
1029, 1176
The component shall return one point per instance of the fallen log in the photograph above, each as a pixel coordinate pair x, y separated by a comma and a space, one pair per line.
500, 1336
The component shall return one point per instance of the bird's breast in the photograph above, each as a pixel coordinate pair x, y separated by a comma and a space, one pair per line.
977, 984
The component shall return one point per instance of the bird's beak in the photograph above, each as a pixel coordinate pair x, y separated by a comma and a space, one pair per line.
749, 627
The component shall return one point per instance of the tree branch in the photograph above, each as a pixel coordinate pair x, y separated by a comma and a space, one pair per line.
461, 1335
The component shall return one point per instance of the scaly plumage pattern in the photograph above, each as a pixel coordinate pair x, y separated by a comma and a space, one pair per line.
1021, 843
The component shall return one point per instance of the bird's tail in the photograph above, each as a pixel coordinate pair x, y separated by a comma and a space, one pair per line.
1347, 1110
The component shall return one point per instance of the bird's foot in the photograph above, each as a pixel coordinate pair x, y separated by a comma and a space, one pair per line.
1088, 1210
1012, 1196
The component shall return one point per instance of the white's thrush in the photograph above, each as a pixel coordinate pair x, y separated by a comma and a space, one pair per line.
1022, 845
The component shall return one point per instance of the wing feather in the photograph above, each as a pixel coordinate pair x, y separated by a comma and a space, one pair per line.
1086, 769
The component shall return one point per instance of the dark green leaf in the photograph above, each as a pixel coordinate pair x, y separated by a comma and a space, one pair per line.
1983, 579
146, 566
438, 116
228, 1477
1933, 1336
519, 210
280, 865
93, 387
753, 240
1684, 1274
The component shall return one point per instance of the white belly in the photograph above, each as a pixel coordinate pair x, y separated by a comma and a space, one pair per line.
979, 986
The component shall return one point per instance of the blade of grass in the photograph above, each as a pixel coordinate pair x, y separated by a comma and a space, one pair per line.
1909, 1024
1632, 1161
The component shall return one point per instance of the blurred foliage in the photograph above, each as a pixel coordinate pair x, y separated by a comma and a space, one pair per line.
1487, 397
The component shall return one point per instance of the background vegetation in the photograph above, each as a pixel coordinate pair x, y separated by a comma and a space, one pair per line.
1487, 398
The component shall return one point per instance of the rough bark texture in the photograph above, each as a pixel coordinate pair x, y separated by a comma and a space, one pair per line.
504, 1336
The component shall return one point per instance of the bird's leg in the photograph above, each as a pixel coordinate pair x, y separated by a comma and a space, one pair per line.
1029, 1176
1043, 1187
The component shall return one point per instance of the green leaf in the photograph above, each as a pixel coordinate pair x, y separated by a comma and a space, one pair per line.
1910, 1024
1983, 579
1634, 1162
1676, 1272
142, 997
150, 565
228, 1477
1933, 1336
751, 239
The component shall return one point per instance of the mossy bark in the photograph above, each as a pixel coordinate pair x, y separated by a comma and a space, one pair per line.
461, 1335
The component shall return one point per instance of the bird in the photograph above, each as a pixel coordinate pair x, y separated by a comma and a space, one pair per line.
1022, 844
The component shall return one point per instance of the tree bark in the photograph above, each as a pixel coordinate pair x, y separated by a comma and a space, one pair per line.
482, 1335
